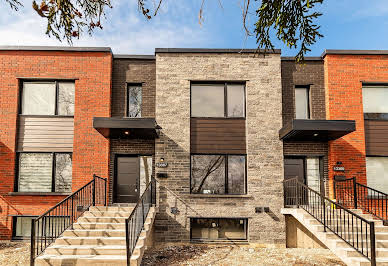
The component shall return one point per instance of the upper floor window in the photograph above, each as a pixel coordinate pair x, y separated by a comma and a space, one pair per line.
134, 100
302, 102
48, 98
218, 100
375, 102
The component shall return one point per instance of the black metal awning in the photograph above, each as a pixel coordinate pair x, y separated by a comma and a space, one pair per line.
316, 130
131, 128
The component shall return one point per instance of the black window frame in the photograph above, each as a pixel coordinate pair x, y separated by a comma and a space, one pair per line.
225, 83
226, 173
308, 94
128, 84
56, 81
14, 219
373, 116
246, 222
17, 166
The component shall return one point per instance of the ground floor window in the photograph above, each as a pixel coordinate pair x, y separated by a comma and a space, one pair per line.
377, 173
219, 228
22, 227
44, 172
218, 174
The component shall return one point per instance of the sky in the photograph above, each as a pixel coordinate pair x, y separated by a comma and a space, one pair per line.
345, 24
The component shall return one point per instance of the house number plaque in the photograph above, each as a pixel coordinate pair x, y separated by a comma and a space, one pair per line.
162, 165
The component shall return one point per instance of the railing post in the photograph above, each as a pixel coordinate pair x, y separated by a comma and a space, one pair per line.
324, 213
372, 244
297, 193
355, 192
105, 195
32, 254
153, 191
129, 252
94, 191
72, 211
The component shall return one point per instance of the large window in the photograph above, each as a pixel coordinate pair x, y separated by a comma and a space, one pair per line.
218, 174
218, 100
377, 173
302, 102
134, 97
44, 172
375, 102
48, 98
218, 228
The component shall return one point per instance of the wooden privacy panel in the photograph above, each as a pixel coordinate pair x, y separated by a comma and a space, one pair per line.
218, 136
376, 137
46, 134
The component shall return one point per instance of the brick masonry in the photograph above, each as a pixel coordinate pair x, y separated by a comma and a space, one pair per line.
127, 71
311, 73
92, 74
264, 149
344, 75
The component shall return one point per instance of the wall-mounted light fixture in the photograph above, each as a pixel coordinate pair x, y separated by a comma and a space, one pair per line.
126, 132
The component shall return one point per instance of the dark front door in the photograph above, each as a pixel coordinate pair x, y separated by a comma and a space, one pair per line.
127, 179
294, 167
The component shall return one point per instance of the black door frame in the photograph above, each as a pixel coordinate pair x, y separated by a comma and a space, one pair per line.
116, 156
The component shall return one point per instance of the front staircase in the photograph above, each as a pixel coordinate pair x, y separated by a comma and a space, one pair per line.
97, 238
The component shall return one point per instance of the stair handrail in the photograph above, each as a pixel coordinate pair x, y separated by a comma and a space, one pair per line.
134, 224
355, 230
46, 228
366, 198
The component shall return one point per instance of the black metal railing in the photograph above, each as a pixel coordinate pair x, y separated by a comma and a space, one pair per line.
135, 222
347, 225
351, 193
50, 225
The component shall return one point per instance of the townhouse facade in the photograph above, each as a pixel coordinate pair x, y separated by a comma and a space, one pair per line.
219, 129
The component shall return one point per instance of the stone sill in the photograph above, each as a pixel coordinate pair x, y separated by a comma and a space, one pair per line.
38, 194
246, 196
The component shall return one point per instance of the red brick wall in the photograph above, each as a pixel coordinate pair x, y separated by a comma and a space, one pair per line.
343, 76
92, 71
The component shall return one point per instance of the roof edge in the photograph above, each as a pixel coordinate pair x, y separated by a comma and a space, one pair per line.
306, 58
354, 52
134, 56
218, 50
54, 48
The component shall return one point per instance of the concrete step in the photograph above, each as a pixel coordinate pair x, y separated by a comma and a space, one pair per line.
379, 243
101, 219
86, 250
88, 226
90, 241
55, 260
380, 252
348, 230
96, 232
106, 214
379, 236
315, 221
111, 208
379, 262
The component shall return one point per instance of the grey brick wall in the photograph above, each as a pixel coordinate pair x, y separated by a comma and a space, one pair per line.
264, 149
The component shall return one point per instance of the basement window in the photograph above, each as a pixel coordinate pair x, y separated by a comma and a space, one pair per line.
44, 172
210, 229
22, 226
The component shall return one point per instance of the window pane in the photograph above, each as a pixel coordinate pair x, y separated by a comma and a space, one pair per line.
35, 172
66, 98
207, 100
313, 173
38, 98
208, 174
377, 173
63, 172
145, 172
134, 101
214, 229
301, 103
375, 99
236, 174
23, 226
231, 229
236, 100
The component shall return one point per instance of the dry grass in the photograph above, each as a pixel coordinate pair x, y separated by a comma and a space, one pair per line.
237, 255
14, 253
